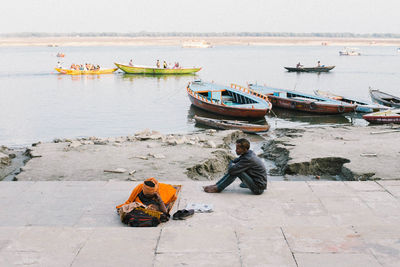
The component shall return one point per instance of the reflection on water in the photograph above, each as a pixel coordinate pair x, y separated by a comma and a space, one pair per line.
193, 110
309, 118
132, 77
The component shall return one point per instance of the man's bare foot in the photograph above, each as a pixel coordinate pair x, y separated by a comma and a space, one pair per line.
211, 189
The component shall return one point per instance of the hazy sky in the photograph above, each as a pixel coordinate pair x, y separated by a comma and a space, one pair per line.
358, 16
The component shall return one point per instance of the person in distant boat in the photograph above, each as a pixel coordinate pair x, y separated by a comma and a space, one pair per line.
165, 64
247, 167
131, 63
59, 65
158, 63
319, 64
298, 65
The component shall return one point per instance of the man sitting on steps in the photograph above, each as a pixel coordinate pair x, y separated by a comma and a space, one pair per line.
247, 167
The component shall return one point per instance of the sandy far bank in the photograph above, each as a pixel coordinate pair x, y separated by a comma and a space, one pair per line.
177, 41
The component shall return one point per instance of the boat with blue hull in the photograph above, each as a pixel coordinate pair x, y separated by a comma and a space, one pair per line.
384, 98
303, 102
362, 106
233, 101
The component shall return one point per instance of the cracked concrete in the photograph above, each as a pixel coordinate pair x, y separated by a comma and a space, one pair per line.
355, 153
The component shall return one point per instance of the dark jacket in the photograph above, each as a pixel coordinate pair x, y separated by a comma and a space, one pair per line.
252, 165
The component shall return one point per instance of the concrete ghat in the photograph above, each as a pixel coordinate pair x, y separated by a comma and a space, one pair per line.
319, 223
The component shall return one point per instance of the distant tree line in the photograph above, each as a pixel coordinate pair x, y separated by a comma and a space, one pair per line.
205, 34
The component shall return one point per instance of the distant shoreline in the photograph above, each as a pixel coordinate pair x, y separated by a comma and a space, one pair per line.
177, 41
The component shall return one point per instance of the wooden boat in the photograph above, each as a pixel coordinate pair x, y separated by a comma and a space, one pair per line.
85, 72
303, 102
310, 69
348, 51
384, 98
388, 116
231, 124
362, 106
234, 101
155, 70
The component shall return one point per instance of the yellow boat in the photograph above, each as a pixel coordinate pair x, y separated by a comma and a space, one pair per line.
154, 70
85, 72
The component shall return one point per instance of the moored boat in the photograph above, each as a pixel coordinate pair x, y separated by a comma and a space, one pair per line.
232, 124
349, 51
234, 101
303, 102
384, 98
309, 69
85, 72
155, 71
362, 106
196, 44
387, 116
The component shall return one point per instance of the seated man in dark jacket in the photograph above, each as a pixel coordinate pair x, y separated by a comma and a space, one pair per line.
247, 167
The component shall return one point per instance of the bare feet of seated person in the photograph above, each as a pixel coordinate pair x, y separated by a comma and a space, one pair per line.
211, 189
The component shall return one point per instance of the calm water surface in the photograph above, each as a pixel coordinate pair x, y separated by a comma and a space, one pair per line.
36, 104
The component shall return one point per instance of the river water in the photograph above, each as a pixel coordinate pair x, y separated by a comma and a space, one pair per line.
37, 104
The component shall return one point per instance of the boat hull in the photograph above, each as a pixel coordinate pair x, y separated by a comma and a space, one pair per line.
384, 98
389, 116
228, 125
310, 106
85, 72
363, 107
155, 71
225, 110
311, 69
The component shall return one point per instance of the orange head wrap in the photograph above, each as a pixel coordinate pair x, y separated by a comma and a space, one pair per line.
149, 190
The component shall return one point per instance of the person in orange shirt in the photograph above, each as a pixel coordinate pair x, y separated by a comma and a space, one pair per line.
154, 195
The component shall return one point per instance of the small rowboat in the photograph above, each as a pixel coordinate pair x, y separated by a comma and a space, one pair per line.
85, 72
362, 106
234, 101
155, 70
230, 124
384, 98
388, 116
309, 69
303, 102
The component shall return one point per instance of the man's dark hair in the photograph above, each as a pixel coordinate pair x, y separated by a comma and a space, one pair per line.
243, 143
149, 183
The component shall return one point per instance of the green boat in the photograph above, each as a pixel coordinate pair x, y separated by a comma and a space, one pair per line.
155, 71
